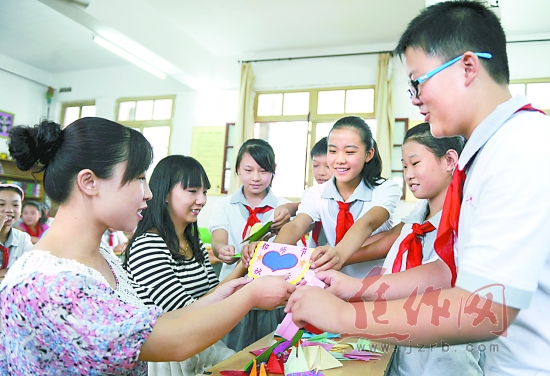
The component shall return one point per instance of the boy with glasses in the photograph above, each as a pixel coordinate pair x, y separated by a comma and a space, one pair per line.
493, 233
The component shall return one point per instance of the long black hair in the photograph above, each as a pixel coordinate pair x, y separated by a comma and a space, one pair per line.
372, 169
167, 174
94, 143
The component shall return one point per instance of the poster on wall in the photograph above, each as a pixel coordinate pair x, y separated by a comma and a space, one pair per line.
208, 148
6, 122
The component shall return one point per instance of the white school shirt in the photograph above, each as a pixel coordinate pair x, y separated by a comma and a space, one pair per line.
457, 360
118, 238
230, 215
504, 235
18, 243
320, 203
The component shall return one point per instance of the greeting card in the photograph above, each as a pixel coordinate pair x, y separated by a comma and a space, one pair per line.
280, 259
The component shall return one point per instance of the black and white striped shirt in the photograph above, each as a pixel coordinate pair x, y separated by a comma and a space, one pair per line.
158, 279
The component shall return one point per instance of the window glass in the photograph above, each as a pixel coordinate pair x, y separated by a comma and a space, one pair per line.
359, 100
270, 104
162, 109
159, 138
539, 95
126, 111
144, 110
88, 111
296, 103
331, 102
290, 154
71, 114
517, 89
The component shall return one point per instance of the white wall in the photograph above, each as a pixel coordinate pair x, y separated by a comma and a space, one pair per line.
217, 107
23, 98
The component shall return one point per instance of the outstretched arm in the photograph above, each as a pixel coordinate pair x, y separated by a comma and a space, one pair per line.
176, 336
377, 249
294, 230
334, 258
427, 319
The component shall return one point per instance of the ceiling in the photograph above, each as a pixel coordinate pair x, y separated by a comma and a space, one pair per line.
192, 39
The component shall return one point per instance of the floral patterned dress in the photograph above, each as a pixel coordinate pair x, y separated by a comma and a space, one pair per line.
61, 317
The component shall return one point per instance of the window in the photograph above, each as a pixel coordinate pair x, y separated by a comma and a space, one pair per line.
153, 118
74, 111
401, 127
537, 90
228, 156
293, 121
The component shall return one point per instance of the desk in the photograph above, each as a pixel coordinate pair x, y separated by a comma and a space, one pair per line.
350, 367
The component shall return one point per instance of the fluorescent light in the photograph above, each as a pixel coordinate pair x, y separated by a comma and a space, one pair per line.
128, 56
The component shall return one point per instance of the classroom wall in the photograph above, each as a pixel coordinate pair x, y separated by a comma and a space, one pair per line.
217, 107
25, 99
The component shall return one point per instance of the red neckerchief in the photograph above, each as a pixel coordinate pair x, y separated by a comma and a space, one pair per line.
413, 244
344, 220
252, 218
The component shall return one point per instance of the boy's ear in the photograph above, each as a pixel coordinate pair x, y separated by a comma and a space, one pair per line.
471, 64
86, 180
451, 158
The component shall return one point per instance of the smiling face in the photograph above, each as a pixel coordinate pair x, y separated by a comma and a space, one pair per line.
347, 155
184, 205
426, 175
31, 215
255, 179
123, 205
441, 98
10, 206
321, 170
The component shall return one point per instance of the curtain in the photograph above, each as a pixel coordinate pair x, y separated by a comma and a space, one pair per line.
384, 111
244, 125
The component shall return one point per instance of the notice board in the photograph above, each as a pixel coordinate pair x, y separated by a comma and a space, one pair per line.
208, 148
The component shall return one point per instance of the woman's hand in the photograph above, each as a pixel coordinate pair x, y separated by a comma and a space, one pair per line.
326, 258
228, 288
225, 254
270, 292
246, 253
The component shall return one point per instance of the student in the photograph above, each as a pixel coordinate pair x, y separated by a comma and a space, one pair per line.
354, 205
80, 312
114, 240
502, 240
34, 220
13, 242
230, 223
322, 174
167, 262
428, 163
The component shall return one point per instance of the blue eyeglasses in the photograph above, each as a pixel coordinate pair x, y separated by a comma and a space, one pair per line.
413, 84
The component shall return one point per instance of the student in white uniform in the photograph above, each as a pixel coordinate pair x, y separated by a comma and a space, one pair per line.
355, 204
455, 55
13, 242
230, 223
428, 163
321, 174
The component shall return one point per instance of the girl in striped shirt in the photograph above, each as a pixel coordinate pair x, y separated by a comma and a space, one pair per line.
166, 261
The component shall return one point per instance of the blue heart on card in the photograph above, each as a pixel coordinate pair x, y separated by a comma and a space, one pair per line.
274, 261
